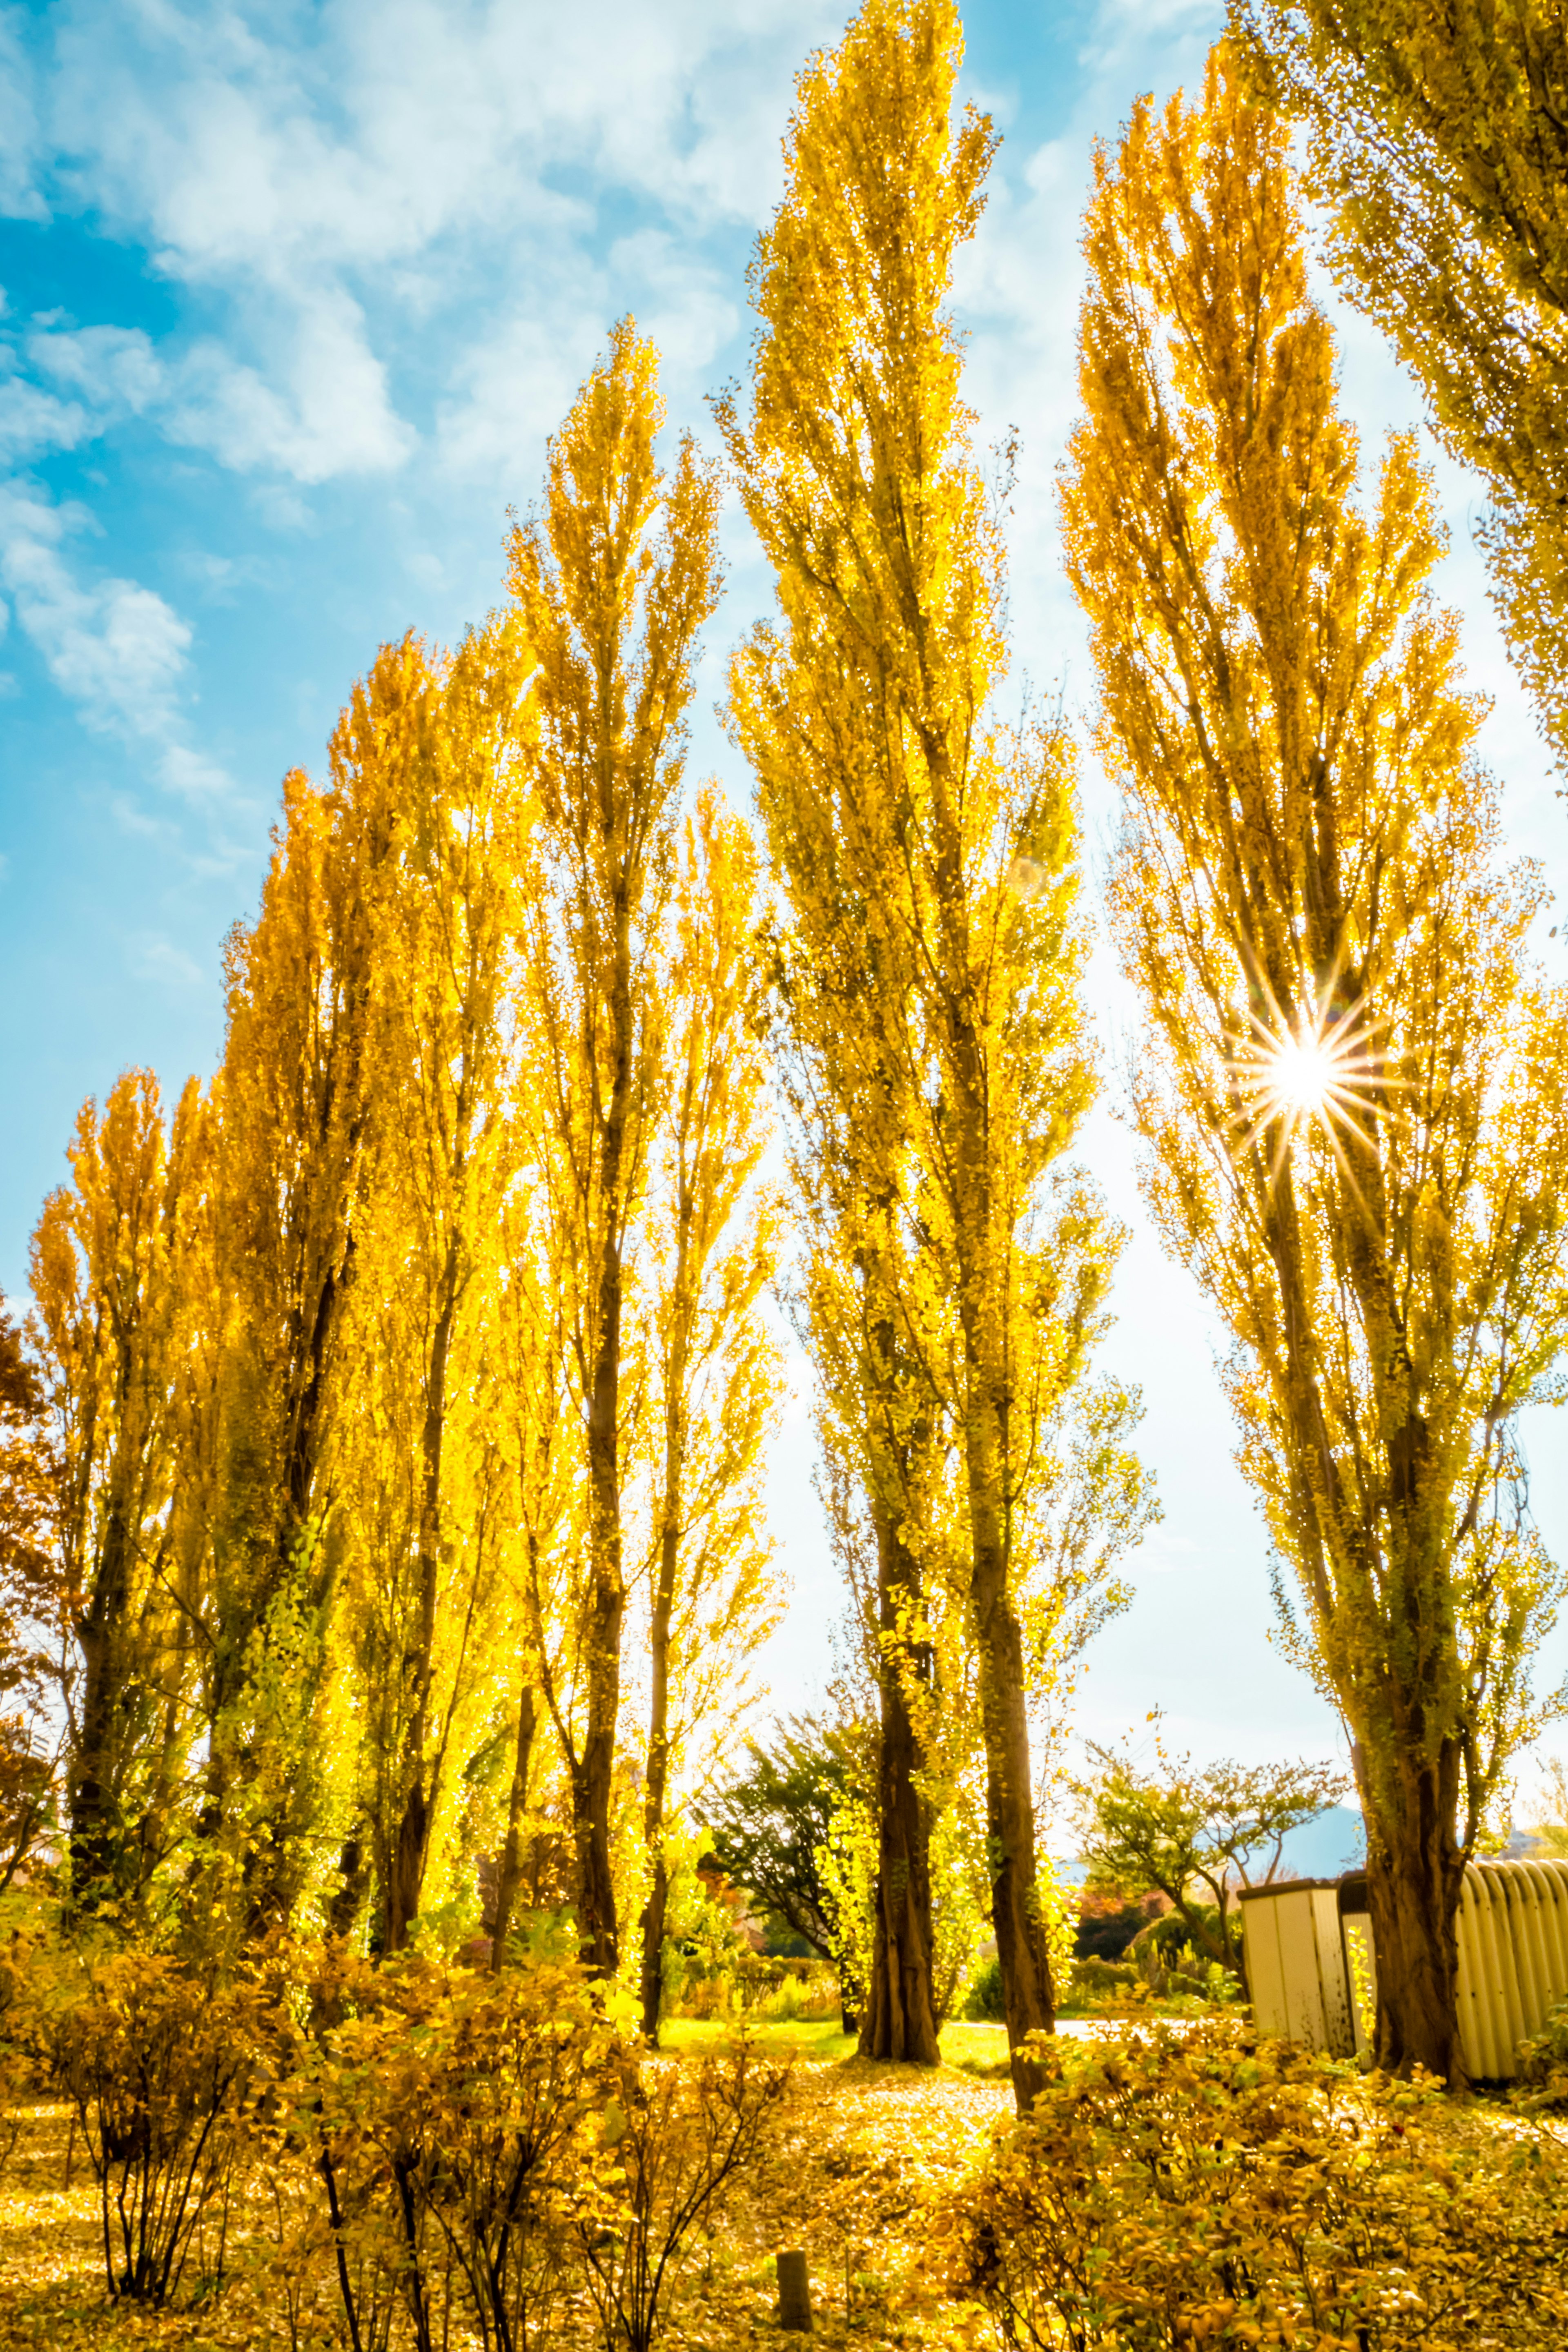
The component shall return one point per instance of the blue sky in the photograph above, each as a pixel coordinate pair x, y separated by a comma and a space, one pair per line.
292, 296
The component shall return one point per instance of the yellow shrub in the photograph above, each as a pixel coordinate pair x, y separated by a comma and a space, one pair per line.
1221, 2190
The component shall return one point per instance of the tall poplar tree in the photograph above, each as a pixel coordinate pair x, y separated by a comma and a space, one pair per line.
1354, 1095
294, 1099
1440, 144
114, 1261
542, 1436
896, 806
713, 1243
441, 1150
612, 583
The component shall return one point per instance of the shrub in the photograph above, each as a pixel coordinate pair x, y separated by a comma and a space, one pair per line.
1105, 1982
1225, 2191
453, 2121
1543, 2062
679, 2135
160, 2068
755, 1985
985, 2003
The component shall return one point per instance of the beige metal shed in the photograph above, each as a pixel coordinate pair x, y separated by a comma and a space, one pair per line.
1296, 1963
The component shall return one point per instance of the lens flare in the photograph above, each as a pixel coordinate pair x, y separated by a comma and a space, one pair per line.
1319, 1073
1304, 1075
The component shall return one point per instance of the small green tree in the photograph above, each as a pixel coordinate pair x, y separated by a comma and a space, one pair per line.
771, 1828
766, 1828
1179, 1830
1551, 1831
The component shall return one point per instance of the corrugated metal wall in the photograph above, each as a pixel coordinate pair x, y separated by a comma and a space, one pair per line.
1513, 1958
1313, 1972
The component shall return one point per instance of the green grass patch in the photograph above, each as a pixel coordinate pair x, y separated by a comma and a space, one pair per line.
800, 2037
975, 2050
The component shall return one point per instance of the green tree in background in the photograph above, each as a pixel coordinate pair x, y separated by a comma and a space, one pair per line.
1177, 1828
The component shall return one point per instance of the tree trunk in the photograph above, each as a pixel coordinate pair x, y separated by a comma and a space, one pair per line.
409, 1849
1021, 1952
1010, 1822
1415, 1873
510, 1876
98, 1630
899, 2018
593, 1773
344, 1906
659, 1750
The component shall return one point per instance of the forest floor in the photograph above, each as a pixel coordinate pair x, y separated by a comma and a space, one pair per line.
845, 2173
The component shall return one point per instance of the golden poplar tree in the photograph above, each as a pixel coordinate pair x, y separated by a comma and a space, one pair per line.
612, 585
541, 1437
716, 1378
35, 1610
294, 1098
1440, 141
927, 856
440, 1152
1353, 1098
114, 1261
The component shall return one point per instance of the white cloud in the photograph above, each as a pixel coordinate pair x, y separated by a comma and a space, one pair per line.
153, 957
345, 174
114, 647
509, 391
332, 416
20, 142
192, 775
261, 141
113, 368
33, 422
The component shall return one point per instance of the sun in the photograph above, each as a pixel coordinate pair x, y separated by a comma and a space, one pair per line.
1304, 1073
1316, 1073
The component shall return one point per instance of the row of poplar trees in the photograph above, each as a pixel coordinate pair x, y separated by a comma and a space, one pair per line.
409, 1388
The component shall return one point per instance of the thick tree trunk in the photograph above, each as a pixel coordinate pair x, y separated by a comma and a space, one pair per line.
900, 2017
1415, 1873
657, 1785
978, 1227
510, 1876
593, 1773
354, 1886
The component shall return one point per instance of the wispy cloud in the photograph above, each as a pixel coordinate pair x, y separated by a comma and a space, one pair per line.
150, 957
342, 178
21, 143
114, 647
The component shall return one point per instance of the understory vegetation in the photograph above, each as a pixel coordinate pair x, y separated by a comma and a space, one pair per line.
324, 2155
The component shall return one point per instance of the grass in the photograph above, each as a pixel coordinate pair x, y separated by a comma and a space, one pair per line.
978, 2050
972, 2048
792, 2037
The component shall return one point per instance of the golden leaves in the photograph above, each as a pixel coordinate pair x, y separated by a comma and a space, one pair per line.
1304, 878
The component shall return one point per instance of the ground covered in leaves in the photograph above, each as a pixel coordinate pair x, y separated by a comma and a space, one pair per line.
844, 2174
850, 2172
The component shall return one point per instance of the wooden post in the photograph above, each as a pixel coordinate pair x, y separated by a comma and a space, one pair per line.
794, 2292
